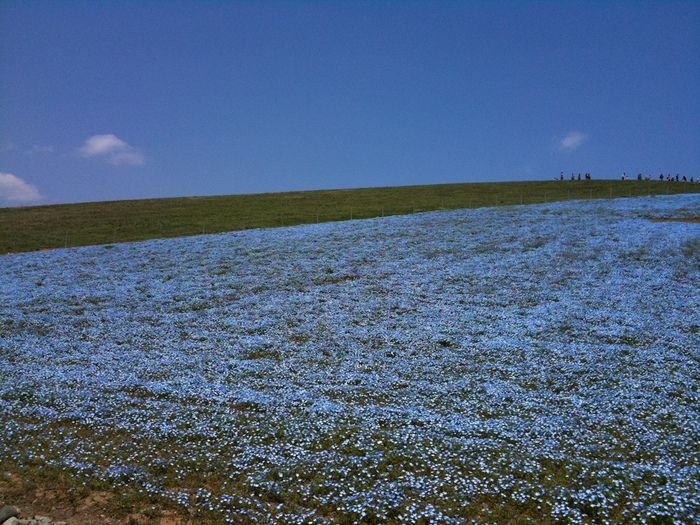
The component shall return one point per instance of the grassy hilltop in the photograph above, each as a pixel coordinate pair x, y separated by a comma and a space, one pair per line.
56, 226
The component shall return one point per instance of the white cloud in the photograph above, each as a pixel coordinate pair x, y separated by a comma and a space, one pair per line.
111, 148
14, 189
573, 140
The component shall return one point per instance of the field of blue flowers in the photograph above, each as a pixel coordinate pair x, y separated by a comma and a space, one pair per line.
517, 363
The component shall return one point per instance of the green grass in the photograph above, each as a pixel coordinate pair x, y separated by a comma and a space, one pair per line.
57, 226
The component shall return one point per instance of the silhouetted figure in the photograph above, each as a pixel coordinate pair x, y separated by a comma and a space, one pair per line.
661, 177
639, 176
684, 179
579, 176
561, 176
677, 179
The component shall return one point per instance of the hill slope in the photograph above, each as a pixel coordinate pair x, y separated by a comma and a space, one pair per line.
58, 226
531, 361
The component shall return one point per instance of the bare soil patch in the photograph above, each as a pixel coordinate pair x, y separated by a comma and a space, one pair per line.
694, 218
83, 506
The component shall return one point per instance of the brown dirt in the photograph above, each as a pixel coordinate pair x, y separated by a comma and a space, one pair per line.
82, 506
695, 218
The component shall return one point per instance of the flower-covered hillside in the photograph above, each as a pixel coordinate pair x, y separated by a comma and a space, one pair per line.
529, 362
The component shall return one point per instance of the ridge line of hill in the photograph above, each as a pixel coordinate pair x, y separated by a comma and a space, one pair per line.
32, 228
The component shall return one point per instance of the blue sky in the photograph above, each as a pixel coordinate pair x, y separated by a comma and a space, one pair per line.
117, 100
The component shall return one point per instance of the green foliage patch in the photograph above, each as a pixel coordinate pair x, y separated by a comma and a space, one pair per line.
68, 225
